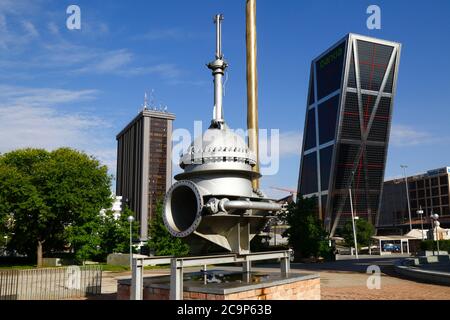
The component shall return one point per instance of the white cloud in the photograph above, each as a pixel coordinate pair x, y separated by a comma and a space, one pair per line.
53, 28
108, 62
402, 135
30, 29
291, 143
166, 34
38, 97
165, 70
30, 117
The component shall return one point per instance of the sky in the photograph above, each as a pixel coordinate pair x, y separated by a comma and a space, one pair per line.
79, 88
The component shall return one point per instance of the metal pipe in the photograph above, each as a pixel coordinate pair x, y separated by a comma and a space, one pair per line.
218, 67
248, 205
252, 85
218, 18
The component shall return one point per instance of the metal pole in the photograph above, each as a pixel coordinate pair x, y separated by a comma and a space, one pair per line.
252, 85
407, 194
437, 238
421, 222
131, 245
353, 224
137, 280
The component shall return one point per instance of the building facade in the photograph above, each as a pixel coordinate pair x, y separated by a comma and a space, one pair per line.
347, 125
429, 191
144, 164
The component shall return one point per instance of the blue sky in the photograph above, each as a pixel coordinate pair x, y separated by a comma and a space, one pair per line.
78, 88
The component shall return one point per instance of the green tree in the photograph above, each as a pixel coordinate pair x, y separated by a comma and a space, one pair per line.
115, 233
364, 233
55, 199
161, 241
306, 235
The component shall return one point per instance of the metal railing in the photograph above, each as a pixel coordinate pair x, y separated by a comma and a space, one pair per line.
178, 264
50, 283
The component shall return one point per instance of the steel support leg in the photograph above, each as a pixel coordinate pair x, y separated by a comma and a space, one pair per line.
137, 280
176, 280
285, 264
247, 266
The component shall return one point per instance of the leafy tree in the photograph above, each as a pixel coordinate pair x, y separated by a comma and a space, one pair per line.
306, 235
55, 198
364, 233
161, 241
115, 233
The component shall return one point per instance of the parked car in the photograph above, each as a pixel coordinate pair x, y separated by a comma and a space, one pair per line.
391, 247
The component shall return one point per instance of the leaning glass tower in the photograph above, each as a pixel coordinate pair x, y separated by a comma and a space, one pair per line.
348, 120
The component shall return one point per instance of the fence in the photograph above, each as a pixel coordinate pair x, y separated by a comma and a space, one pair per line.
50, 283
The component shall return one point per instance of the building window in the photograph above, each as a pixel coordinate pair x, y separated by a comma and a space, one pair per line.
329, 71
434, 182
326, 155
373, 61
310, 140
308, 182
435, 192
421, 193
327, 119
420, 184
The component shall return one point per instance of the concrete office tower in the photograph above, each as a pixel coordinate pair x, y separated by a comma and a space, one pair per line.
428, 191
144, 165
347, 126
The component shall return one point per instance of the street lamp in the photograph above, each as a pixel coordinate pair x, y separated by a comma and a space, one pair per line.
435, 217
407, 194
353, 223
130, 220
420, 213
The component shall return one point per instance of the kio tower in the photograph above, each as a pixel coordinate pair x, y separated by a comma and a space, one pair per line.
348, 120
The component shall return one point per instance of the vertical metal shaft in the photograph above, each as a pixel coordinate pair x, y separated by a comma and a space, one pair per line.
252, 85
131, 245
353, 223
218, 18
218, 67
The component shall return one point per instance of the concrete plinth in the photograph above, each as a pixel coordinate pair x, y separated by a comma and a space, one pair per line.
222, 285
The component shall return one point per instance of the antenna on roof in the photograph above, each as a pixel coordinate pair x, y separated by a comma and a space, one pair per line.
145, 101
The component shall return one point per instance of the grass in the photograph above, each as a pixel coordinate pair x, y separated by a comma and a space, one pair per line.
17, 267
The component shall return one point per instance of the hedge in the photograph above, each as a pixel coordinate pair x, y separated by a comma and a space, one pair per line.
444, 245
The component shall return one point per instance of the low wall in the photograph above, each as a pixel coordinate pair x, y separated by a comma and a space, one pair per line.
121, 259
411, 269
304, 287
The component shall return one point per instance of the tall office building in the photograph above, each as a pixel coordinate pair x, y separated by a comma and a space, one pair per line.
428, 191
347, 125
144, 166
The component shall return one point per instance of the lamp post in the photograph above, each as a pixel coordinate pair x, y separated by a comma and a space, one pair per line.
403, 166
130, 220
6, 243
353, 224
420, 213
435, 217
